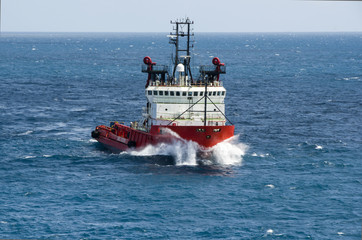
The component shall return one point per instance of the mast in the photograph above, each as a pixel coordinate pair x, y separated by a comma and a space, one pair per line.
0, 17
205, 107
175, 39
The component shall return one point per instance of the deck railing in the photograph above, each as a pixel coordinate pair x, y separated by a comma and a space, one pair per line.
155, 69
212, 69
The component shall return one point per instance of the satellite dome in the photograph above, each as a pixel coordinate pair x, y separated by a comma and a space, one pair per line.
180, 68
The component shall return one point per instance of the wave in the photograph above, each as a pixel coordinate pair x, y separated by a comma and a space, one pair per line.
188, 153
25, 133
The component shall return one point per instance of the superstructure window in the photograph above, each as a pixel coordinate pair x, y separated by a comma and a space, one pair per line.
218, 93
195, 94
155, 93
149, 92
210, 93
213, 93
183, 93
172, 93
161, 93
177, 93
189, 94
166, 93
223, 93
201, 93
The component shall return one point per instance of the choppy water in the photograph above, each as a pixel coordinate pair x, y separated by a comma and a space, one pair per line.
295, 171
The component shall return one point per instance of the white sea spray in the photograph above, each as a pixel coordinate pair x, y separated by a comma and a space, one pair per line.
184, 152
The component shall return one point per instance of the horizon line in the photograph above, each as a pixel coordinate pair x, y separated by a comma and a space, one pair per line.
347, 31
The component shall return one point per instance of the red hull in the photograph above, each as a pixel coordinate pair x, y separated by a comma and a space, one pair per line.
121, 137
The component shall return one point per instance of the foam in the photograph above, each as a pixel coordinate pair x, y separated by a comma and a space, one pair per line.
184, 153
350, 78
262, 155
318, 147
25, 133
229, 152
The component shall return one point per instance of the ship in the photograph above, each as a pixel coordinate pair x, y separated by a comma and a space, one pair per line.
180, 107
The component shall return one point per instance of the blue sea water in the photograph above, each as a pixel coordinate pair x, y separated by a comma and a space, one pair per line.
295, 100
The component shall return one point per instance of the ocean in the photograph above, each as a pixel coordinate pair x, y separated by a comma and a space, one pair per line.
293, 171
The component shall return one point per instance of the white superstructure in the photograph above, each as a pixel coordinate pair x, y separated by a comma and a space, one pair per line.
167, 103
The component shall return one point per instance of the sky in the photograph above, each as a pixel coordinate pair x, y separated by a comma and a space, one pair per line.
154, 16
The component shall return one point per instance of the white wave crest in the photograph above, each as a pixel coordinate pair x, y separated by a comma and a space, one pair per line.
25, 133
184, 153
270, 186
229, 152
318, 147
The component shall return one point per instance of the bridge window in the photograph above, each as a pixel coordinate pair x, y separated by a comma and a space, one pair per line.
189, 93
155, 93
223, 93
201, 93
183, 93
149, 92
161, 93
177, 93
213, 93
166, 93
210, 93
195, 94
172, 93
218, 93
